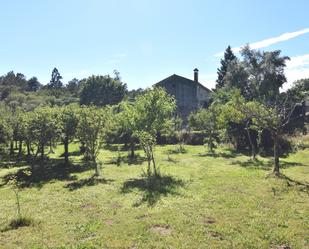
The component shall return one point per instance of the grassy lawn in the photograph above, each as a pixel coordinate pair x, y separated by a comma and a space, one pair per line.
200, 201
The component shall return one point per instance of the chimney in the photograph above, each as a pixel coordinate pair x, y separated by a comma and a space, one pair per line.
195, 75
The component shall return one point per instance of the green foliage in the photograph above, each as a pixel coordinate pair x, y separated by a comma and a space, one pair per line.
299, 91
206, 121
55, 81
102, 90
92, 130
6, 131
68, 119
154, 109
44, 128
148, 141
259, 75
225, 62
14, 184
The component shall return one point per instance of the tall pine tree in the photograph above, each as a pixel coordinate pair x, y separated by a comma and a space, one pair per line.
228, 57
55, 82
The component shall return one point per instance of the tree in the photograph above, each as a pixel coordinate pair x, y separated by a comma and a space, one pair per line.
68, 118
73, 86
55, 81
154, 109
127, 124
237, 77
175, 129
299, 91
20, 128
221, 72
259, 75
273, 117
6, 131
13, 80
14, 184
232, 113
266, 73
102, 91
44, 128
92, 131
33, 85
206, 121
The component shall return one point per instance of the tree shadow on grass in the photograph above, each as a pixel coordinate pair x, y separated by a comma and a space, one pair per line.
92, 181
117, 147
177, 151
153, 188
228, 155
73, 153
264, 165
7, 161
46, 171
136, 160
304, 186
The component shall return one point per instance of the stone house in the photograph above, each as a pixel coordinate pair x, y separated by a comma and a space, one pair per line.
190, 95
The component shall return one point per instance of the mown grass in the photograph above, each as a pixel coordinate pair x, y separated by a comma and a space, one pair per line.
200, 201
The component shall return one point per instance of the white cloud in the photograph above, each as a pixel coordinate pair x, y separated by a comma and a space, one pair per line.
270, 41
297, 68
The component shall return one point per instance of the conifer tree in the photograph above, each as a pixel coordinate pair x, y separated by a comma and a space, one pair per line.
228, 57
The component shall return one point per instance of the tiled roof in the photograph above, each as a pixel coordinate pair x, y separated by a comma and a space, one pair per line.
176, 77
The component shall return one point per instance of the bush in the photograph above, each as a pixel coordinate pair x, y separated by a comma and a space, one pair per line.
19, 222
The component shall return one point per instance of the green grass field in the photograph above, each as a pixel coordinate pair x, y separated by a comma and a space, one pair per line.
200, 201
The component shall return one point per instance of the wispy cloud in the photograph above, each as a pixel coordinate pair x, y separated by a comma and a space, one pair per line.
297, 68
270, 41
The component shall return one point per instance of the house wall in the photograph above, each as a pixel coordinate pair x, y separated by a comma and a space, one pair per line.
202, 97
189, 95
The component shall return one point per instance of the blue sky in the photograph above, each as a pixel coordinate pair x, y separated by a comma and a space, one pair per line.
146, 40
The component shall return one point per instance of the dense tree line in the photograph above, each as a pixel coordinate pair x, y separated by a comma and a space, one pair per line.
247, 106
43, 128
247, 110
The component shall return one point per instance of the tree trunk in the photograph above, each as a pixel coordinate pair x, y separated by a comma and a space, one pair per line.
253, 152
42, 152
82, 147
28, 149
148, 168
51, 150
276, 169
66, 151
20, 149
132, 147
97, 172
210, 143
153, 163
12, 148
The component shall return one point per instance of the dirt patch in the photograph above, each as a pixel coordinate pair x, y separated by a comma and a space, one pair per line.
161, 229
109, 222
283, 247
142, 217
209, 220
216, 235
87, 206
